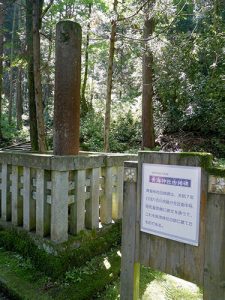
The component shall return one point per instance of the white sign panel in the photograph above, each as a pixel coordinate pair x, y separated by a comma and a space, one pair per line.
170, 202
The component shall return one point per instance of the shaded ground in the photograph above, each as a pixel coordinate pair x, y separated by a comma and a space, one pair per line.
3, 297
179, 141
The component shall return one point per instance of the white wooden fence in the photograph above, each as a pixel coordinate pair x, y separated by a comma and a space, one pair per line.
60, 195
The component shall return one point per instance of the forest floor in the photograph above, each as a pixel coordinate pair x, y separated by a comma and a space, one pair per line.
191, 141
156, 285
173, 142
21, 281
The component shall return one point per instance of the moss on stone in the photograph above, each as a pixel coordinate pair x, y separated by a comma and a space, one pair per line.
20, 281
56, 261
206, 159
219, 172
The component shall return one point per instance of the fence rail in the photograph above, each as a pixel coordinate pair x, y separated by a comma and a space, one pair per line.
61, 195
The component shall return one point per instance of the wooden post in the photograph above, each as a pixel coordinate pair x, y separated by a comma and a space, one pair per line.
130, 266
214, 268
59, 206
67, 88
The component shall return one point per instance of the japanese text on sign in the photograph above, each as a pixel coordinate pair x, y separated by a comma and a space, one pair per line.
171, 202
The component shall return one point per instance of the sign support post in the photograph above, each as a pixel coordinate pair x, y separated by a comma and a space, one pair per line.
130, 268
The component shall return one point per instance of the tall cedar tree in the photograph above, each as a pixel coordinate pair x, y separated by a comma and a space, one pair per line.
109, 78
84, 103
11, 74
37, 14
1, 61
148, 140
30, 76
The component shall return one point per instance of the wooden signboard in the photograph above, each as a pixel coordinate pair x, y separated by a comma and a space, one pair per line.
168, 223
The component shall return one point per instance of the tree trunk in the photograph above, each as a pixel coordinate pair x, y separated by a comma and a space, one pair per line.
11, 76
37, 9
48, 84
84, 104
1, 62
109, 80
148, 139
19, 99
30, 77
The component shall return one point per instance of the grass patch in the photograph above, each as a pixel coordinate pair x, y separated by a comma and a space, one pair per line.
22, 281
84, 282
55, 260
156, 285
18, 279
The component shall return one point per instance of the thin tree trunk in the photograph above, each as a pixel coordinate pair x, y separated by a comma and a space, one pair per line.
19, 99
30, 77
48, 84
37, 8
11, 77
148, 139
1, 62
84, 104
109, 80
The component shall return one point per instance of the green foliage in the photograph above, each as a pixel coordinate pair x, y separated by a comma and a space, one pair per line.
125, 133
85, 282
91, 132
22, 243
205, 159
188, 76
189, 73
10, 132
20, 280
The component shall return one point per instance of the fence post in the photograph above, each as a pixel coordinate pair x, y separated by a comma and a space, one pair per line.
42, 207
6, 209
29, 208
106, 200
117, 205
130, 266
92, 204
59, 206
77, 213
214, 268
17, 203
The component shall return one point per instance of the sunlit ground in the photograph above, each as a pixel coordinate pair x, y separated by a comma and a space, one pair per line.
155, 285
171, 288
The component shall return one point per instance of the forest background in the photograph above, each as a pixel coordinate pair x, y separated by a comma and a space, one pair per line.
163, 57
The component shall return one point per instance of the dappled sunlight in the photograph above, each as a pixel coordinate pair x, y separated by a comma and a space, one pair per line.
106, 263
170, 287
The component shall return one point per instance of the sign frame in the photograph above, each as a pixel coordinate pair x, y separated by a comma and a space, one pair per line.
171, 180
